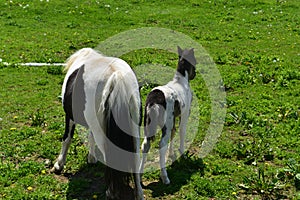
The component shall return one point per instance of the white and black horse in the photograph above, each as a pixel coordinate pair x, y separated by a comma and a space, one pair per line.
163, 105
102, 94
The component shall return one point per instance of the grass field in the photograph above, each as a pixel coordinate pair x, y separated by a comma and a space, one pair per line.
255, 45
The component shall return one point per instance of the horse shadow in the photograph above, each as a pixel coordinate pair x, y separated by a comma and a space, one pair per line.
88, 182
180, 172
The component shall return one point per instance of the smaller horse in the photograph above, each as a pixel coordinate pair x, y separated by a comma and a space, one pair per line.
102, 94
163, 105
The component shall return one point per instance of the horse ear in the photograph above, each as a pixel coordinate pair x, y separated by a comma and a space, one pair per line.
192, 54
179, 51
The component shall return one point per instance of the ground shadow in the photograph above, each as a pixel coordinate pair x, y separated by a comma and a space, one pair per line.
179, 173
87, 182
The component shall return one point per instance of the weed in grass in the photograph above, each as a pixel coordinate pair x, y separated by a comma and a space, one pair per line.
267, 186
37, 118
293, 172
255, 149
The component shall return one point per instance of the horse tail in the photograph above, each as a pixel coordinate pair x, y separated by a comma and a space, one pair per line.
121, 112
154, 112
151, 120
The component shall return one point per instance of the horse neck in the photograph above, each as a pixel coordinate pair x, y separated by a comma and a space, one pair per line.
183, 80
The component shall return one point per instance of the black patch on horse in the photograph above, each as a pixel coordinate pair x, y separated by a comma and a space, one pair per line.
79, 98
177, 109
154, 97
67, 129
67, 102
74, 97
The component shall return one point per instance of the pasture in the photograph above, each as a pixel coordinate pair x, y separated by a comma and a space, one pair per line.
255, 45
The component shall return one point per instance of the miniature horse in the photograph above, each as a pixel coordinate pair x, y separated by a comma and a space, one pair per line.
163, 105
102, 94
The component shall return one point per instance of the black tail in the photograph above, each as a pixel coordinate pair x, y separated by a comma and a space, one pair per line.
118, 181
118, 110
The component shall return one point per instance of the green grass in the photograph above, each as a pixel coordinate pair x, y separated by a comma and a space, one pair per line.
255, 45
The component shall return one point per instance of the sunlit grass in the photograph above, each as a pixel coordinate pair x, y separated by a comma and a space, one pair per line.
255, 45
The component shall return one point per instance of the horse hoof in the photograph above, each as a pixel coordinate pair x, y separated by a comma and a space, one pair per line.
56, 169
165, 180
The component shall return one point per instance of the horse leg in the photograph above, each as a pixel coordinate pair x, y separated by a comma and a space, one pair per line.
172, 154
67, 138
163, 146
138, 187
182, 132
145, 149
149, 132
92, 155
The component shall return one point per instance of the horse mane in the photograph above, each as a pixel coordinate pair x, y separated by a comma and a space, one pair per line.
82, 53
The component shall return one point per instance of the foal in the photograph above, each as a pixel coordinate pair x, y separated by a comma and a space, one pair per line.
102, 94
163, 105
